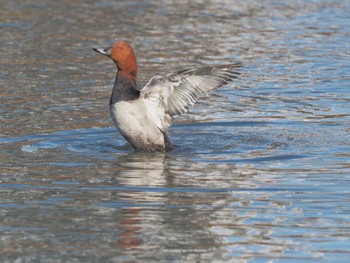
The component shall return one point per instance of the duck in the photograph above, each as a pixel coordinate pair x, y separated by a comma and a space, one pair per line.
143, 115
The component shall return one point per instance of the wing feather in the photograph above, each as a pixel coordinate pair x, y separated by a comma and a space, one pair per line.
172, 94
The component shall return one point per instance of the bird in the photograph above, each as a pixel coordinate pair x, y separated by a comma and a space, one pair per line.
143, 115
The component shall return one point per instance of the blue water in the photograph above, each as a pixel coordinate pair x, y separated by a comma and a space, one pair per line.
260, 171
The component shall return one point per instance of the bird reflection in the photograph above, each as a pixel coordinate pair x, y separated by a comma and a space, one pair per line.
156, 201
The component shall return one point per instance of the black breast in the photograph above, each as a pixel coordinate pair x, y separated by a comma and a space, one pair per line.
124, 90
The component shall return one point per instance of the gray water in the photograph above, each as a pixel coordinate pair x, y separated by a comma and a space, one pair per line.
261, 170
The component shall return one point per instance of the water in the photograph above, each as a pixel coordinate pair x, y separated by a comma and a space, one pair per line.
261, 168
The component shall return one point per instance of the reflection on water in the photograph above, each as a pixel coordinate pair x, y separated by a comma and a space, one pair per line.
260, 170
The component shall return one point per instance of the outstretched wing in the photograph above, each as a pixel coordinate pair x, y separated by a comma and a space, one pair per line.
172, 94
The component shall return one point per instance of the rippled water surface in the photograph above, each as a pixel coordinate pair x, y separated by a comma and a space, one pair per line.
261, 170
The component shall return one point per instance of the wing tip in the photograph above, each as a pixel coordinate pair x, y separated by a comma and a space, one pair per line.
230, 66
